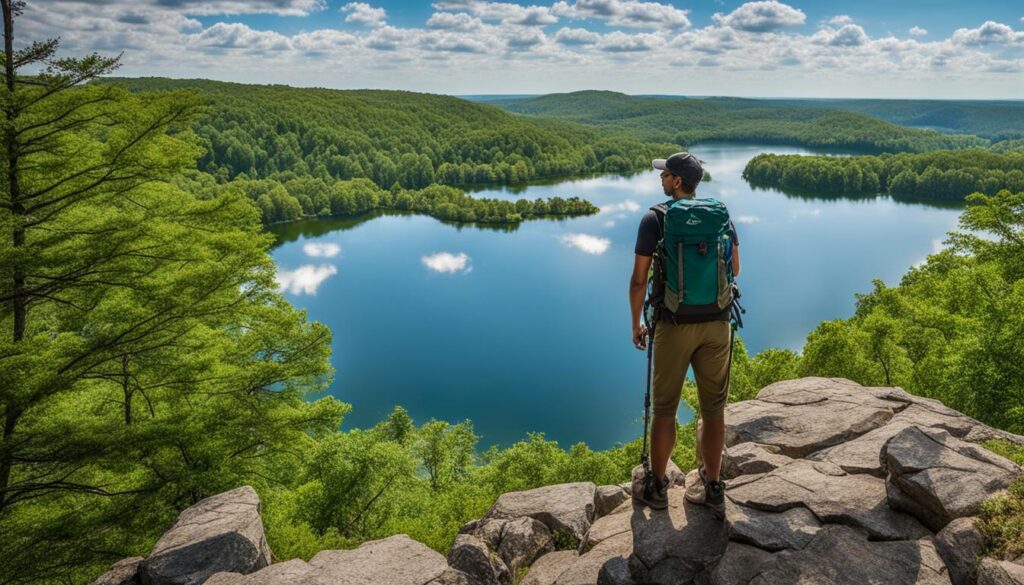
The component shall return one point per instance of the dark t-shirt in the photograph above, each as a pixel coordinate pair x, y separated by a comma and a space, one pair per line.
647, 240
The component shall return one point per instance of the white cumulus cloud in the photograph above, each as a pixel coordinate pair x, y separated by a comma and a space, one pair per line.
576, 36
363, 13
447, 263
748, 219
323, 41
764, 16
620, 42
321, 250
850, 35
459, 21
989, 33
627, 13
239, 36
587, 243
305, 279
918, 31
502, 12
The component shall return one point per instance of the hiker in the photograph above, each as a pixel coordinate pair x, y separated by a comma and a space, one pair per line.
696, 331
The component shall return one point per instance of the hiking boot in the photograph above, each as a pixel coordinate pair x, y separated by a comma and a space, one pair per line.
707, 493
654, 493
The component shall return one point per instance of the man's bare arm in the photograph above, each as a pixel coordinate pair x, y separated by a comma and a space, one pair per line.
637, 292
735, 260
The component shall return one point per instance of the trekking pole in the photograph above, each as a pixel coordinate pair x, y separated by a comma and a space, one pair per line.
736, 322
645, 459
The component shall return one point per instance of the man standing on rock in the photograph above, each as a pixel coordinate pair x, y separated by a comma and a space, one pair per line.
681, 340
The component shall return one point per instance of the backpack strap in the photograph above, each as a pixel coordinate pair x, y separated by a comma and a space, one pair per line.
659, 211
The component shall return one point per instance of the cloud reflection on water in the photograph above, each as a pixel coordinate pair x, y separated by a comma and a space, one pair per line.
587, 243
447, 263
321, 250
305, 279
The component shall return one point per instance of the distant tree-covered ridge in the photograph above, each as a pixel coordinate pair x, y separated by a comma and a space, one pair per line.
389, 137
992, 119
944, 175
688, 121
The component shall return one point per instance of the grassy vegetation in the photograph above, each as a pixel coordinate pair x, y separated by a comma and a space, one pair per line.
1003, 515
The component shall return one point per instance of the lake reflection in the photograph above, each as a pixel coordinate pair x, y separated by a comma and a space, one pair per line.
527, 329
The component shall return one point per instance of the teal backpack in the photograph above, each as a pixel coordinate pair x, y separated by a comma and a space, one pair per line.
691, 273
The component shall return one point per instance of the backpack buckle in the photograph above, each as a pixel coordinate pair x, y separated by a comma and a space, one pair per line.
702, 248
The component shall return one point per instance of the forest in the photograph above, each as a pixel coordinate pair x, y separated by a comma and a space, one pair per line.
304, 152
940, 175
148, 359
686, 121
389, 137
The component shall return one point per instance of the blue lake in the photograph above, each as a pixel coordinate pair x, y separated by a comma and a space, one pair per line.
527, 329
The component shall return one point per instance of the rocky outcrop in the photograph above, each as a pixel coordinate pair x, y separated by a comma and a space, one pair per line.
607, 498
472, 556
397, 560
993, 572
565, 509
220, 533
960, 544
124, 572
838, 555
833, 482
944, 477
827, 482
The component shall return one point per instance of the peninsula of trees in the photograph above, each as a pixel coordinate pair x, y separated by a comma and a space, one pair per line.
942, 175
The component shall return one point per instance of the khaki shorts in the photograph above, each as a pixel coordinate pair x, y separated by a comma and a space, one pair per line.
703, 345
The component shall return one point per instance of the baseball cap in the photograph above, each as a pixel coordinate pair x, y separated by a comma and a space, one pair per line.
681, 164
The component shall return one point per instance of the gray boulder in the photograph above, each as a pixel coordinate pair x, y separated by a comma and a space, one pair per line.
220, 533
749, 458
960, 544
993, 572
524, 541
123, 572
771, 531
605, 528
860, 455
741, 564
565, 508
802, 416
396, 560
586, 569
838, 555
472, 556
675, 545
546, 570
455, 577
615, 571
293, 572
946, 478
607, 498
488, 530
856, 500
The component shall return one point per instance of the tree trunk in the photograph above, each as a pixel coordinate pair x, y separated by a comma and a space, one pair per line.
20, 302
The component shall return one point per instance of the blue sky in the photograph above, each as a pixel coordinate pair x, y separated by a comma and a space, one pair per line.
869, 48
